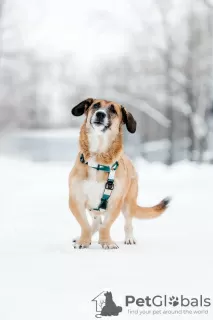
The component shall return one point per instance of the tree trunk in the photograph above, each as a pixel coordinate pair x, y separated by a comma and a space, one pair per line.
170, 116
192, 140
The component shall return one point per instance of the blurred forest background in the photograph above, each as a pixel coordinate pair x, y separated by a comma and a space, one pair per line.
154, 57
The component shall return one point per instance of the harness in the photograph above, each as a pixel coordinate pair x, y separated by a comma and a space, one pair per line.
109, 186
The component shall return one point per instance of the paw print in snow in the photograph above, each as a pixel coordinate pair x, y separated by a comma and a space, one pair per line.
174, 301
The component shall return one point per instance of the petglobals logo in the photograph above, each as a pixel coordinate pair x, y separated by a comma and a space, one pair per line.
166, 301
105, 305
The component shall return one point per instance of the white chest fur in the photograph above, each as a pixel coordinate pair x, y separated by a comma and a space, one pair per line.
92, 189
98, 141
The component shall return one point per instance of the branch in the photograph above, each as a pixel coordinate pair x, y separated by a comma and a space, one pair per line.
101, 303
142, 106
208, 3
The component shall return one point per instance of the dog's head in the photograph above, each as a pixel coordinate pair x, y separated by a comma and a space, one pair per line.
108, 295
102, 115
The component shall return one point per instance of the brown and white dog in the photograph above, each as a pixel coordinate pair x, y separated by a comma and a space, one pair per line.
101, 142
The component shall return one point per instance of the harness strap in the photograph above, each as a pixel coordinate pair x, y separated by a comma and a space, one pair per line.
109, 186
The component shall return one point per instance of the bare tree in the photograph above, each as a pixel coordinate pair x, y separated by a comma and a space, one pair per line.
34, 101
167, 55
72, 90
194, 70
197, 72
101, 303
209, 5
171, 82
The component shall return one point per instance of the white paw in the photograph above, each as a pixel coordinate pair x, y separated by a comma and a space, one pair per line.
130, 240
109, 245
81, 245
74, 240
78, 244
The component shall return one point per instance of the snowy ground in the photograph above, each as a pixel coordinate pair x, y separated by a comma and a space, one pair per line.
43, 277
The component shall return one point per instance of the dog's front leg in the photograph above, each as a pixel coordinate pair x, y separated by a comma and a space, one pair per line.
104, 231
79, 212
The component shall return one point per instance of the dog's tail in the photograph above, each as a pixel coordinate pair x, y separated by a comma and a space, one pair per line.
152, 212
119, 309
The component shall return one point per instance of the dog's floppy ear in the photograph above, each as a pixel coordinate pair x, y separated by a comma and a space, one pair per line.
82, 107
128, 120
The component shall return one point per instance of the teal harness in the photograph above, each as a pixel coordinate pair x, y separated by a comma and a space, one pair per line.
109, 186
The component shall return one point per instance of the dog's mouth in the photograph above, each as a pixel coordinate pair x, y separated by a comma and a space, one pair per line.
101, 126
99, 123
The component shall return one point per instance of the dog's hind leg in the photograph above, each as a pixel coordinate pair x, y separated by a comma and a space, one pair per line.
128, 228
128, 212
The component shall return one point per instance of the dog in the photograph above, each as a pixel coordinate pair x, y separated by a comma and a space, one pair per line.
103, 179
110, 308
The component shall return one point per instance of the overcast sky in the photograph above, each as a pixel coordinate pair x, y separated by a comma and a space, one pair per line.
81, 26
91, 30
86, 28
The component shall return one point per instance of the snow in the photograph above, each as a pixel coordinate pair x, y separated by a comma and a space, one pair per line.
47, 133
43, 277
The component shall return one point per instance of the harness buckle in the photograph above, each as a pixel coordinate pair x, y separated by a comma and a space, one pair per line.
82, 158
109, 185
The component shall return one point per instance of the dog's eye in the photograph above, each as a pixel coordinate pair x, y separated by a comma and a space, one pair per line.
96, 105
112, 109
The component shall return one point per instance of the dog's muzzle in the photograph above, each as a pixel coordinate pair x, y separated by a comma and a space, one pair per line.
100, 119
100, 116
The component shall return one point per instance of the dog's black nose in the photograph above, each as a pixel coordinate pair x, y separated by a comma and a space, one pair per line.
100, 115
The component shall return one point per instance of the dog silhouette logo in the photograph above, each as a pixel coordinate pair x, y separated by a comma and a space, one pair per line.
105, 305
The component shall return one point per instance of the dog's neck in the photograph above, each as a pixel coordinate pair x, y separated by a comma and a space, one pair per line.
105, 148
